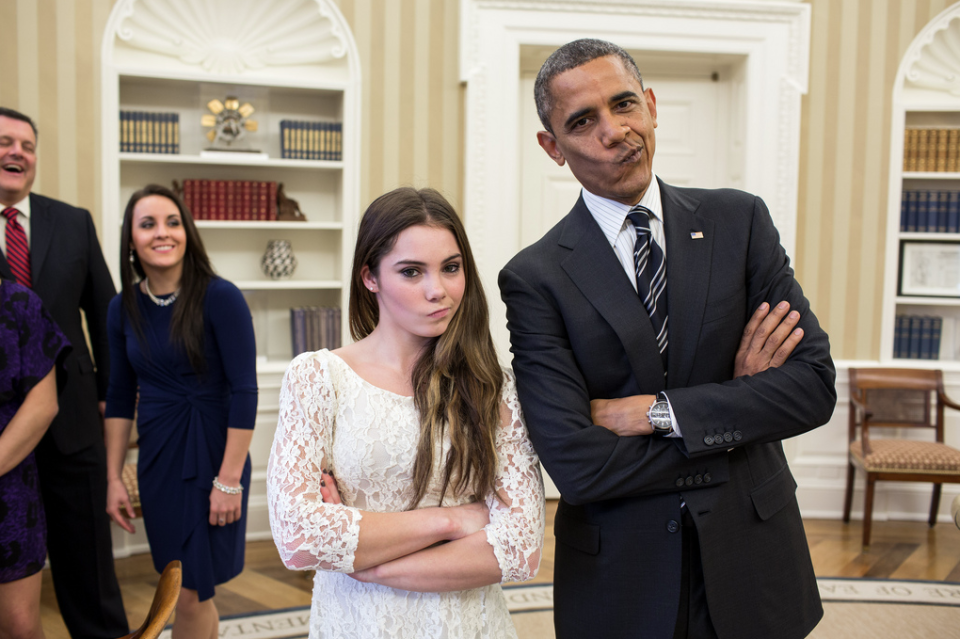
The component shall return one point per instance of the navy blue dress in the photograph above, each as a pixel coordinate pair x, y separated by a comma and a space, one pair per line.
31, 344
182, 422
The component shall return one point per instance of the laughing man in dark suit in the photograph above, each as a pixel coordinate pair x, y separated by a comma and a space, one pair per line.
662, 425
69, 274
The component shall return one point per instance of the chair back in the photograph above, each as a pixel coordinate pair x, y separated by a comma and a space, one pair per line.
895, 398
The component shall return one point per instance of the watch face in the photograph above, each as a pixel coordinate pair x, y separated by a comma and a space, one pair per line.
660, 416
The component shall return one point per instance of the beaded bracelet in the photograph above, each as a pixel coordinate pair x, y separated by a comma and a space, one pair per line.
226, 489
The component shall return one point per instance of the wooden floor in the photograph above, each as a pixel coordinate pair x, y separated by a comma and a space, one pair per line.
898, 550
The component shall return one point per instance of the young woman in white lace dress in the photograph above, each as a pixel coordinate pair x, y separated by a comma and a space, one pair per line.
401, 470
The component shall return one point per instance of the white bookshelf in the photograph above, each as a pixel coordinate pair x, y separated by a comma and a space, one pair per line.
308, 71
925, 95
292, 60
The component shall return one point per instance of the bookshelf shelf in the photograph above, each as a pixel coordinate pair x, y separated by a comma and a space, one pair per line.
933, 237
928, 301
266, 226
288, 285
930, 175
240, 159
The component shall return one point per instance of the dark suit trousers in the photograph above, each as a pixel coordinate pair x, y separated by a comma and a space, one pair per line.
693, 616
79, 542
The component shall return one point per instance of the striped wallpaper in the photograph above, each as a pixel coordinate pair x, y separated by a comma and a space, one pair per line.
413, 119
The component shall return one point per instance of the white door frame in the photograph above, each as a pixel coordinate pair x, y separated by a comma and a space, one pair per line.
773, 36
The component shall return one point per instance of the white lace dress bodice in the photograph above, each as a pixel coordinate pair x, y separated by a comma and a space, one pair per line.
367, 438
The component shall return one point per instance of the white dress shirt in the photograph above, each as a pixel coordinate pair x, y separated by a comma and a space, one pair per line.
622, 235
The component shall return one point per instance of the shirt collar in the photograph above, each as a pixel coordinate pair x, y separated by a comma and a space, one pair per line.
23, 206
612, 215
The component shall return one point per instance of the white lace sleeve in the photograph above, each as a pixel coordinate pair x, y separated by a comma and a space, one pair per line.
309, 533
516, 524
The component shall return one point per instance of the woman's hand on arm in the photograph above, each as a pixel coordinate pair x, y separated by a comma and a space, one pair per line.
116, 433
29, 423
225, 508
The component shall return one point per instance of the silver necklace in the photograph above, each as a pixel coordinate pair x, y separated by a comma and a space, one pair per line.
156, 300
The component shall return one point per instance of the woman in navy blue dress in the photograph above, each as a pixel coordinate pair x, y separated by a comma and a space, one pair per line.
32, 349
183, 359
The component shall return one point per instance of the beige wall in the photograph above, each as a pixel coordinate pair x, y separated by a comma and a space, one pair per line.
856, 47
413, 117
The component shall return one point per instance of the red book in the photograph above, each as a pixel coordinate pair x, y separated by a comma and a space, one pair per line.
262, 206
204, 202
231, 204
244, 199
272, 201
188, 197
220, 207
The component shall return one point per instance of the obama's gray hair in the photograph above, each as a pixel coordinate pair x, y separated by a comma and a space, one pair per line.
570, 56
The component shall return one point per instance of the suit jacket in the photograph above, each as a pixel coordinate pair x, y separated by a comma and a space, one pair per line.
579, 332
69, 274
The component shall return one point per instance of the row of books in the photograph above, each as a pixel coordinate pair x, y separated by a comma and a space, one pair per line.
921, 337
144, 132
930, 211
931, 150
300, 140
233, 200
313, 328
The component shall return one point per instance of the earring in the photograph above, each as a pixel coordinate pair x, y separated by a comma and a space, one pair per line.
131, 256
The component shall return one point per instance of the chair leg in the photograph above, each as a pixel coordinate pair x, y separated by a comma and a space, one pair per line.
848, 496
868, 508
935, 504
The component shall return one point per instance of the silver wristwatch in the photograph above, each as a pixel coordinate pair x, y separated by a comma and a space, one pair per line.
659, 416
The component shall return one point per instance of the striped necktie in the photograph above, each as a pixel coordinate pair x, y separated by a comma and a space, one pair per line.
651, 275
18, 251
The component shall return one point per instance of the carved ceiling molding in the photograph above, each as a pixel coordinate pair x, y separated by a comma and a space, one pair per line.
933, 61
226, 37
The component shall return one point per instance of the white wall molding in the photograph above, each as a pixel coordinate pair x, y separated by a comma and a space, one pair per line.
772, 37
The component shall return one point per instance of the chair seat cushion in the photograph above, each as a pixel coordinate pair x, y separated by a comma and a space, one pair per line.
906, 456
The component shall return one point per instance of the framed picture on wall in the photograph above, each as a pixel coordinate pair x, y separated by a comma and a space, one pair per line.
930, 269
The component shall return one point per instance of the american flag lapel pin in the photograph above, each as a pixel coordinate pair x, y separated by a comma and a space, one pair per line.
696, 235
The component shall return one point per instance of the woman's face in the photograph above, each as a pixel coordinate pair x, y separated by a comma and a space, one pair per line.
420, 282
157, 234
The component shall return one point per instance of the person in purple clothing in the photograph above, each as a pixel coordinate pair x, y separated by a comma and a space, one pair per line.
183, 358
32, 349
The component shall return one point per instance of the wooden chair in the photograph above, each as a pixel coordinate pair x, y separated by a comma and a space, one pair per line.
164, 601
898, 398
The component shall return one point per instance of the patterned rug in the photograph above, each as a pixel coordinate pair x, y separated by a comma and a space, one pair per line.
853, 608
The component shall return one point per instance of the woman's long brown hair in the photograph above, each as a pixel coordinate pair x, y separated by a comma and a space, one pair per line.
186, 324
457, 380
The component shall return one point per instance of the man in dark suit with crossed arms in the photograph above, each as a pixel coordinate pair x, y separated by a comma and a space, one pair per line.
68, 273
660, 419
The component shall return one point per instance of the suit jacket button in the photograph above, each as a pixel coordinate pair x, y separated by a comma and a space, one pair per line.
680, 482
689, 481
672, 526
698, 479
737, 435
728, 437
708, 440
707, 478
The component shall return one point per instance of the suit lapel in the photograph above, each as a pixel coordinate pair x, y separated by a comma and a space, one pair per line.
594, 269
41, 234
688, 278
